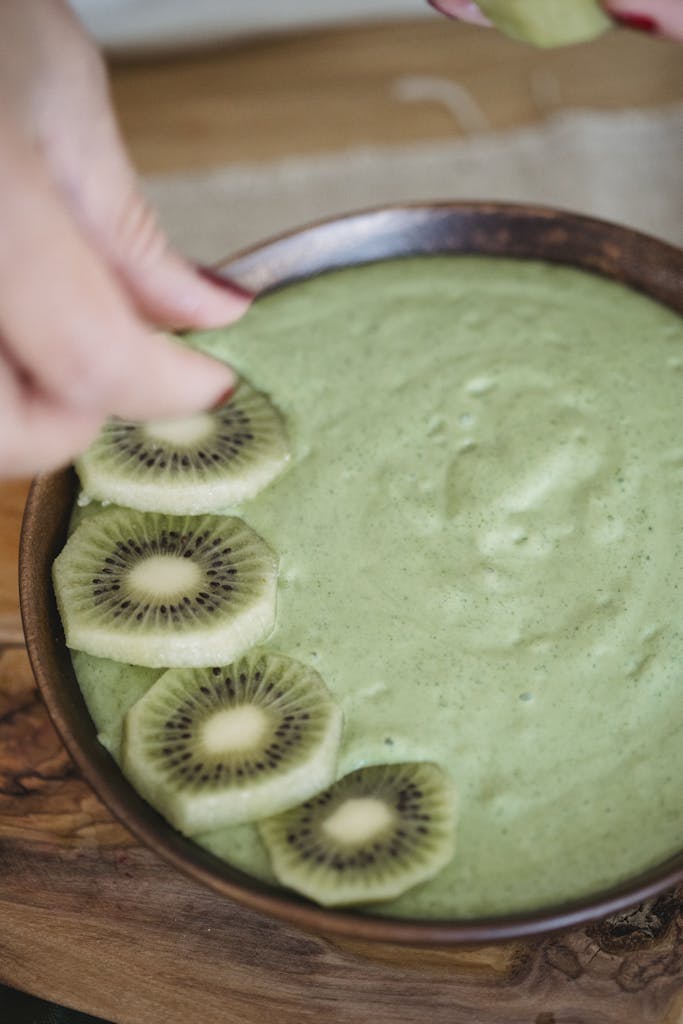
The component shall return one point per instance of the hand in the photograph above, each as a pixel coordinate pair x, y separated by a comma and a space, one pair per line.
663, 17
84, 268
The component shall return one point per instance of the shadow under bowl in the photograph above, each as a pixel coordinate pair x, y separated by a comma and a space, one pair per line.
493, 229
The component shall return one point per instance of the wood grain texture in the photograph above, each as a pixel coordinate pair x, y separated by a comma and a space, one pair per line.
12, 500
332, 90
94, 921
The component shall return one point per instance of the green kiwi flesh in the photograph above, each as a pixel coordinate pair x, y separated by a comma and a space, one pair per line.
548, 22
371, 836
203, 463
162, 591
225, 745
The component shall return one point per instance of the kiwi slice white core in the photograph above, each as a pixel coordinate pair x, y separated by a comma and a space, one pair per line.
164, 576
186, 431
358, 820
224, 745
157, 590
234, 729
371, 836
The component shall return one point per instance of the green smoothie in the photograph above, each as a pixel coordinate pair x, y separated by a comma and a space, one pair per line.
481, 551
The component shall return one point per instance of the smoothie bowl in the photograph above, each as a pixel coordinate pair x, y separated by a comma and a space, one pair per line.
462, 539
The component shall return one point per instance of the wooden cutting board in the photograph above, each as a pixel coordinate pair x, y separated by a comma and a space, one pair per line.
92, 920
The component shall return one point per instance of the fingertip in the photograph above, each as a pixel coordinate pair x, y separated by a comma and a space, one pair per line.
461, 10
225, 282
224, 397
179, 295
214, 301
657, 17
224, 393
199, 381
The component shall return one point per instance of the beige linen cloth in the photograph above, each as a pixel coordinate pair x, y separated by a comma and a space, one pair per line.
623, 166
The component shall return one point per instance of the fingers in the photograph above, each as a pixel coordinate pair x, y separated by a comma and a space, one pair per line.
81, 257
57, 84
68, 324
166, 289
659, 16
37, 432
463, 10
84, 154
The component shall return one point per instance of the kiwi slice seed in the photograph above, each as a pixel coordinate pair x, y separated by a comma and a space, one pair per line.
221, 746
202, 463
156, 590
369, 837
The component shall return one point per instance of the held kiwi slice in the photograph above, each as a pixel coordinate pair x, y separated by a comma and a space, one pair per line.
220, 746
369, 837
548, 22
202, 463
156, 590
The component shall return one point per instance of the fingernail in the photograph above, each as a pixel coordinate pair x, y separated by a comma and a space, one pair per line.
639, 22
229, 391
215, 277
215, 301
225, 397
437, 7
460, 11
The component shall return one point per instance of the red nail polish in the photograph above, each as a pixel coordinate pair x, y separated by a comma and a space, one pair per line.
215, 277
640, 22
227, 394
437, 7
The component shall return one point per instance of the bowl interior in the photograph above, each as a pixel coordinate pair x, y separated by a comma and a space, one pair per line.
456, 228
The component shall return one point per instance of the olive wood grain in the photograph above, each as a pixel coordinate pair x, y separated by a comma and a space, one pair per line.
93, 920
12, 500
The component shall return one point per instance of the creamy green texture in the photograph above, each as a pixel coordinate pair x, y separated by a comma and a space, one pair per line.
481, 551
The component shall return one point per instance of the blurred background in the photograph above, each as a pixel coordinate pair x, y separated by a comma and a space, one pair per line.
248, 118
162, 24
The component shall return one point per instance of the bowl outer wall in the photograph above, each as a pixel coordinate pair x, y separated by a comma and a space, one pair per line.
495, 229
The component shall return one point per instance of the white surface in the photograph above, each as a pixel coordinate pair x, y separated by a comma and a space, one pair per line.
623, 166
166, 24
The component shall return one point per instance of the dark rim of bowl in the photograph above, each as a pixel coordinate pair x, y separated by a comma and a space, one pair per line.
479, 228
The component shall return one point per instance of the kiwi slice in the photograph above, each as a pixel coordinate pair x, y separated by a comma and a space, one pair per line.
157, 590
369, 837
202, 463
221, 746
548, 22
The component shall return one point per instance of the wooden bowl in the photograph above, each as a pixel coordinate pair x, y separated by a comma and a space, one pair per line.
484, 228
